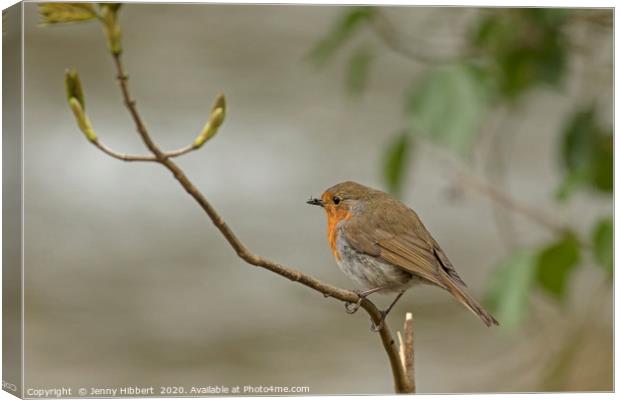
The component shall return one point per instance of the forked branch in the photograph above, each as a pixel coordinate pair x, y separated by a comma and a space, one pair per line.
402, 381
403, 378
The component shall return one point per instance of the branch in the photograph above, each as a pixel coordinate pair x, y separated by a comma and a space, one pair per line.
409, 353
107, 14
402, 383
469, 181
135, 157
120, 156
406, 351
465, 179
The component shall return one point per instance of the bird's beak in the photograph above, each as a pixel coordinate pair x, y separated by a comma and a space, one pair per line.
316, 202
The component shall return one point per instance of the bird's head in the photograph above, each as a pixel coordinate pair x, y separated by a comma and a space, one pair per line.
342, 199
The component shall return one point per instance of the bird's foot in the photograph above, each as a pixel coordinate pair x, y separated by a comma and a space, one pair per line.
351, 308
377, 327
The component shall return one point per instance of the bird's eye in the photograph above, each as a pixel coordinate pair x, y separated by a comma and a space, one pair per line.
337, 200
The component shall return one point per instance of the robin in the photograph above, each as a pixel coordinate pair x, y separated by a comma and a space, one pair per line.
382, 245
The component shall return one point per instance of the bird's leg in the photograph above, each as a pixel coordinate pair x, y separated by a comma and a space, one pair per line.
379, 326
352, 308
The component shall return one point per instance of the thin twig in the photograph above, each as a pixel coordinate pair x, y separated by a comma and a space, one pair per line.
121, 156
465, 179
137, 157
402, 382
535, 215
401, 349
497, 177
181, 151
409, 351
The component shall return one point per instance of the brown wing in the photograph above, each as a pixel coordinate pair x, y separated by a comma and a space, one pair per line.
415, 258
394, 233
446, 264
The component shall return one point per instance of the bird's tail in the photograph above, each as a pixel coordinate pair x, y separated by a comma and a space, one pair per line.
462, 296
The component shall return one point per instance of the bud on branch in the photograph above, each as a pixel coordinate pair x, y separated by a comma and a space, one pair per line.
108, 16
59, 13
82, 119
216, 118
75, 97
74, 86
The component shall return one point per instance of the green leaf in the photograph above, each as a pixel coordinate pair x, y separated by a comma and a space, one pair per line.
579, 140
556, 263
358, 69
524, 47
510, 287
603, 244
56, 13
340, 33
603, 171
395, 164
446, 105
587, 154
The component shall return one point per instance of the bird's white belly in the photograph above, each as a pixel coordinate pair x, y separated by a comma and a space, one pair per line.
368, 272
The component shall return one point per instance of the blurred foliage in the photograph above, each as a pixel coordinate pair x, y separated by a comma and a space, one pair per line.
603, 242
587, 154
359, 70
343, 30
510, 287
523, 48
555, 264
396, 158
510, 53
446, 105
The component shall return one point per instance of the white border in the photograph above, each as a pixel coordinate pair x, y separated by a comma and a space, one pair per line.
478, 3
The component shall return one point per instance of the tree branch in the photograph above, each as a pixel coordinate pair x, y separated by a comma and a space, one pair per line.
464, 179
402, 382
136, 157
535, 215
409, 353
406, 349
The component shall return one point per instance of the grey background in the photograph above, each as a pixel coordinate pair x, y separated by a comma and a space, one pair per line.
128, 283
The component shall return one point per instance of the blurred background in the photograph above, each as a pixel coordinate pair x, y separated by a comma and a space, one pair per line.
495, 125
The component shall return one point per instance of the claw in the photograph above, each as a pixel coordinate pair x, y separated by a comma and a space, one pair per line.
376, 328
380, 325
351, 308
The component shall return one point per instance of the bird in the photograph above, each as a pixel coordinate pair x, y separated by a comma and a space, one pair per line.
383, 246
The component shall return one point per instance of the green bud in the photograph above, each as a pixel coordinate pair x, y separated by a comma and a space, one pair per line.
74, 86
210, 129
217, 117
82, 119
113, 34
57, 13
220, 102
112, 6
111, 27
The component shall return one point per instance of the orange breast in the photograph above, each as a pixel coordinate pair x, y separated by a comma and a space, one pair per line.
334, 217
